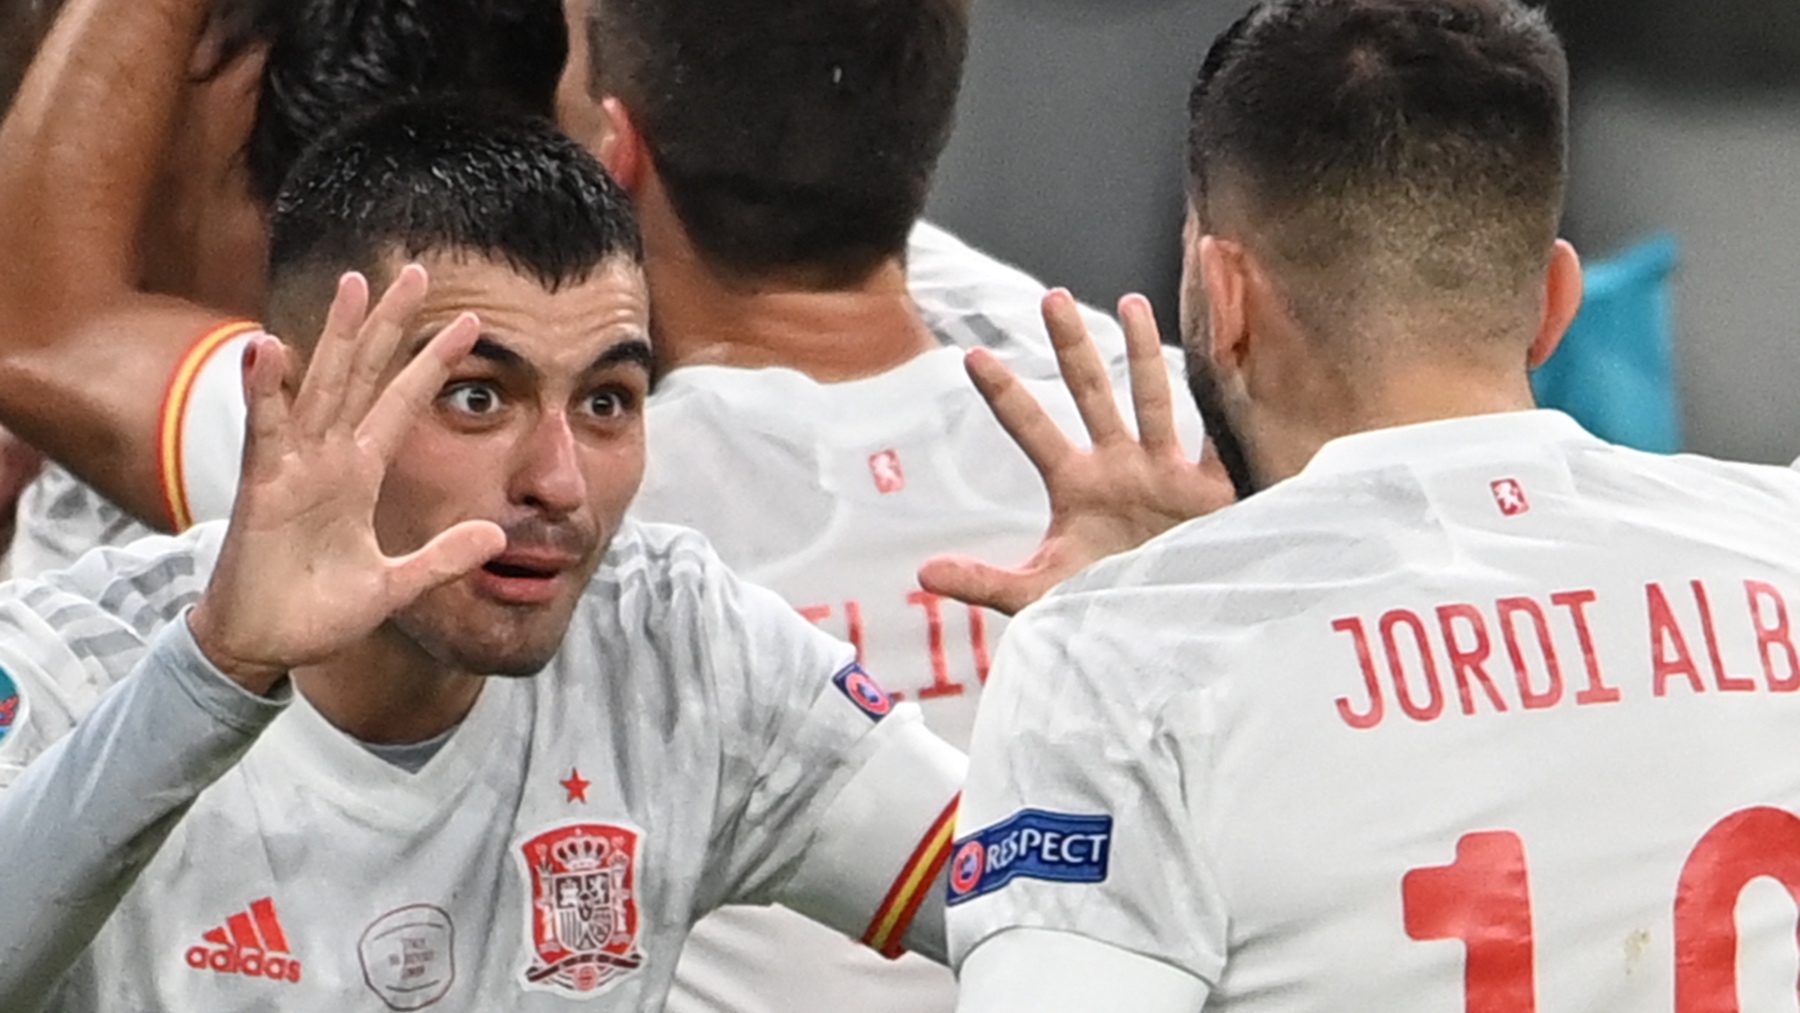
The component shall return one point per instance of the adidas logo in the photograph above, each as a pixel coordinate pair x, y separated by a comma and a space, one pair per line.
250, 943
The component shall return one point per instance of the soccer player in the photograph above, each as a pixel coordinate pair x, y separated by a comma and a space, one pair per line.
1463, 708
527, 741
132, 385
135, 177
811, 421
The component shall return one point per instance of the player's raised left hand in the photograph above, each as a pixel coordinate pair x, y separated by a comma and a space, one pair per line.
301, 575
1127, 489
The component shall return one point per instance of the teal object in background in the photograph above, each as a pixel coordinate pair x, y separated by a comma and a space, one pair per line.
1615, 371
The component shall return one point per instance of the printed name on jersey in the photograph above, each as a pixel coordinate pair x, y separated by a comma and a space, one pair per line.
251, 943
1535, 652
864, 692
409, 956
10, 702
582, 913
1031, 844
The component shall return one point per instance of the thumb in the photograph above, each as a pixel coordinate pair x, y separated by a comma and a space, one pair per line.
973, 582
448, 556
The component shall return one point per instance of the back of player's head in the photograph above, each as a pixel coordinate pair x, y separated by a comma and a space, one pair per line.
331, 59
1381, 152
789, 134
445, 177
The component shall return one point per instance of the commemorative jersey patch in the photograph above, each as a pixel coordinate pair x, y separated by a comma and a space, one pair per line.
864, 692
583, 916
1032, 844
9, 704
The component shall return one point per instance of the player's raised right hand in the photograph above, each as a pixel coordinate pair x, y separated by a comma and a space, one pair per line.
301, 576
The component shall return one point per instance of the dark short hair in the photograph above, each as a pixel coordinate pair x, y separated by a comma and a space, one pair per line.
330, 59
788, 133
441, 176
1388, 146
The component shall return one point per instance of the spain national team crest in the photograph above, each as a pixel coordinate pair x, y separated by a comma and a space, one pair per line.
584, 914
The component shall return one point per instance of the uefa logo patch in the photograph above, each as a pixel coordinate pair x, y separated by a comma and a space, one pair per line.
583, 915
10, 702
864, 692
1032, 844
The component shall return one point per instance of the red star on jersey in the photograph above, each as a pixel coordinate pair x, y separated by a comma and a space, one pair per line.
575, 786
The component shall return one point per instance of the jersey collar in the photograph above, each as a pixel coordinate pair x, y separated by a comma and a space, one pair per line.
1450, 437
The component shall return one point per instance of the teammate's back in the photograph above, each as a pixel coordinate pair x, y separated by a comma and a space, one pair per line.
1484, 694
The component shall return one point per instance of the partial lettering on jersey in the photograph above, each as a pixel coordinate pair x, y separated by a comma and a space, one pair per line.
409, 956
863, 691
1033, 844
251, 943
1533, 652
582, 914
10, 701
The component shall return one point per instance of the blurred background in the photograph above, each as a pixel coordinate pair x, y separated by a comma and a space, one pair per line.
1068, 161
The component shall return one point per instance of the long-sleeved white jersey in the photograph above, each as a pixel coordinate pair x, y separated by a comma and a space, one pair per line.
694, 743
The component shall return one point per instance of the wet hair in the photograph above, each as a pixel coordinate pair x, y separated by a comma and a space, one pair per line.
788, 133
1397, 149
330, 59
441, 176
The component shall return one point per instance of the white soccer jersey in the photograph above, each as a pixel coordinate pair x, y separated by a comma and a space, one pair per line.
694, 743
1483, 714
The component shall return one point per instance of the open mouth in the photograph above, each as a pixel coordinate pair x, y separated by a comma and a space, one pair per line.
514, 571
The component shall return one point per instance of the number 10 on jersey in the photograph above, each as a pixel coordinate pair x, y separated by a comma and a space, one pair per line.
1483, 898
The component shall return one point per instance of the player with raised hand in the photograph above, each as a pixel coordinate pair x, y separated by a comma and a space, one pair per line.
1463, 708
529, 741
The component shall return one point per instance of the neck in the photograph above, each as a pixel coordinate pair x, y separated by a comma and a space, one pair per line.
388, 692
1408, 395
831, 335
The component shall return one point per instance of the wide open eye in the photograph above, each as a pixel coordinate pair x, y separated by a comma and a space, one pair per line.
472, 398
610, 402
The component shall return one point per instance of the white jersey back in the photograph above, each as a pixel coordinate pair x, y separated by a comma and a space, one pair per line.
1484, 714
692, 744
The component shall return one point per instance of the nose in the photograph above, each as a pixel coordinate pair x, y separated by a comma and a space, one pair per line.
548, 476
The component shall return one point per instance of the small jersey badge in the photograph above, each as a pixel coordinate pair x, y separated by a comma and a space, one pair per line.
583, 915
10, 702
1032, 844
409, 956
864, 692
1510, 497
885, 467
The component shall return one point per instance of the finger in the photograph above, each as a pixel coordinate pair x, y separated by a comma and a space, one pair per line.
1083, 371
454, 552
399, 406
381, 336
973, 582
1019, 413
321, 386
265, 406
1151, 396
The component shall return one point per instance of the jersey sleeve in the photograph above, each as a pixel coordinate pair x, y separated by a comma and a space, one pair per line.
838, 802
200, 435
1079, 813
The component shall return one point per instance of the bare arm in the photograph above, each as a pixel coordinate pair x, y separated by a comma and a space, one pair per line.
84, 353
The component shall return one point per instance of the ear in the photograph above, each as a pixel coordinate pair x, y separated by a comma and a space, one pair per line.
1563, 289
621, 149
1225, 276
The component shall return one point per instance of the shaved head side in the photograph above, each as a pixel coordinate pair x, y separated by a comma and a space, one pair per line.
1386, 155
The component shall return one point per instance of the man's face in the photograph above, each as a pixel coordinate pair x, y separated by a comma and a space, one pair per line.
1224, 426
540, 430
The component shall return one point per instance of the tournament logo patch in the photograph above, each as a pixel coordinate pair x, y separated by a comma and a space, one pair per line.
10, 702
1032, 844
409, 956
583, 915
864, 692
